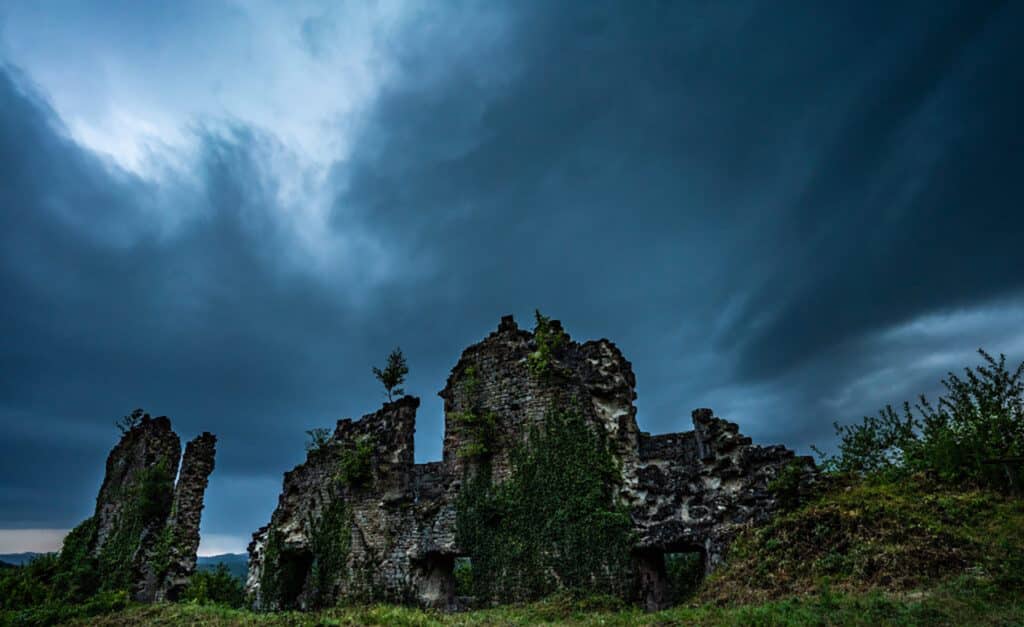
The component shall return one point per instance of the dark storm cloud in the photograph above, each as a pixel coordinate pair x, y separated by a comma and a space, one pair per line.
104, 310
792, 214
731, 192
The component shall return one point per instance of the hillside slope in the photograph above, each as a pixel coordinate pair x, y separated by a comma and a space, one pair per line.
862, 536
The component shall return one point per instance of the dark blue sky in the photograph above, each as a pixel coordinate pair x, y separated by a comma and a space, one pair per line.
793, 213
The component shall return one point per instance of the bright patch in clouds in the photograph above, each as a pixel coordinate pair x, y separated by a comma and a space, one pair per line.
306, 72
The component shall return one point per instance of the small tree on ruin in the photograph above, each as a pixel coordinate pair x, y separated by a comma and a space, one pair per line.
393, 374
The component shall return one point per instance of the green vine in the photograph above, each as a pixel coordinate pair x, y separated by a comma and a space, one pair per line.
554, 524
331, 539
145, 501
548, 337
270, 584
164, 550
476, 424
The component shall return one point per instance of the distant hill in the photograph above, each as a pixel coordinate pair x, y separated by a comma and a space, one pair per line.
237, 563
17, 559
4, 565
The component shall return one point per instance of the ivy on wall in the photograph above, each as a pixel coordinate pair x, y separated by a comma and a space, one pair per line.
554, 523
146, 501
330, 540
476, 424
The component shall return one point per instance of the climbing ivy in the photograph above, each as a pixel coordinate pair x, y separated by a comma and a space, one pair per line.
164, 549
270, 585
554, 523
476, 424
145, 501
548, 338
330, 539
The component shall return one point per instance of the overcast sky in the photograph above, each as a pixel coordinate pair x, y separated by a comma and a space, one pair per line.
227, 212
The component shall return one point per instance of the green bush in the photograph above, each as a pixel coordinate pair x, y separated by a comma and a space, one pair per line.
214, 587
684, 572
786, 487
548, 337
356, 461
463, 573
974, 434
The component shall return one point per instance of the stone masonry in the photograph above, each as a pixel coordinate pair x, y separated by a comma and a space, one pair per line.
686, 492
146, 525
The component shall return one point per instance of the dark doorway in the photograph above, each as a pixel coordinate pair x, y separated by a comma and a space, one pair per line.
437, 588
294, 568
667, 578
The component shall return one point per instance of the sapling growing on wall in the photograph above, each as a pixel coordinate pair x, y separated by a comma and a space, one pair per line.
318, 439
129, 422
393, 374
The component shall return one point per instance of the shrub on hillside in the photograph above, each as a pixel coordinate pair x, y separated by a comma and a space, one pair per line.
974, 434
217, 586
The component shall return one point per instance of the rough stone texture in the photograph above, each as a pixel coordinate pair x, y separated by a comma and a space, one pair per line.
687, 491
186, 513
151, 442
146, 460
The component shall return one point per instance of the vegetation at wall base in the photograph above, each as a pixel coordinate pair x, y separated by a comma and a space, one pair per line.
554, 517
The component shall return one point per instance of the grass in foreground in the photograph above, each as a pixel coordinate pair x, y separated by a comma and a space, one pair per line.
966, 601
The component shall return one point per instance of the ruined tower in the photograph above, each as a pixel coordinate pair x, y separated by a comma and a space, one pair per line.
359, 520
144, 533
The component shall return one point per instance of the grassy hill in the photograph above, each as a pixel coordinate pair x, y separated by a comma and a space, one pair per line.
895, 537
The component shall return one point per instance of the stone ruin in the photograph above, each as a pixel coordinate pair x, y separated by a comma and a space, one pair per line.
145, 530
685, 492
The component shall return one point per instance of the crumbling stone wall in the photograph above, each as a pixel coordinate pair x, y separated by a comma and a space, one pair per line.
685, 492
144, 533
182, 527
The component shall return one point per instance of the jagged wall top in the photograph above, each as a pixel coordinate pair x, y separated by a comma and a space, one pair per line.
493, 377
689, 490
